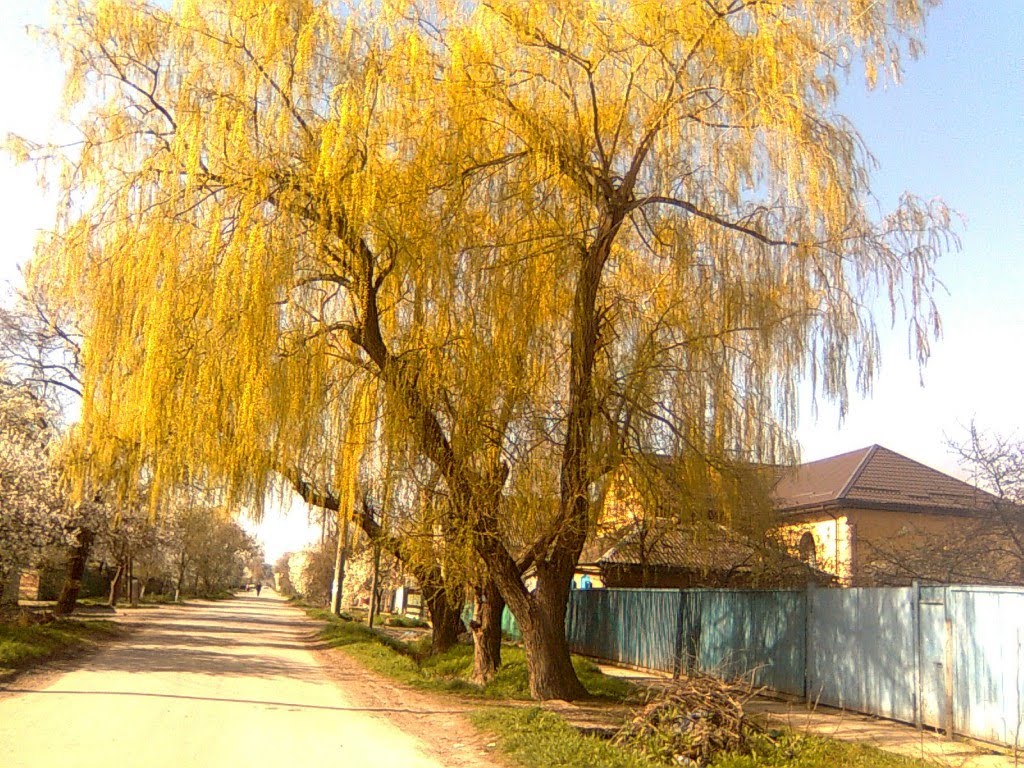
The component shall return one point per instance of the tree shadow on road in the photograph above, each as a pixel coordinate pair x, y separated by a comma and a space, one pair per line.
288, 705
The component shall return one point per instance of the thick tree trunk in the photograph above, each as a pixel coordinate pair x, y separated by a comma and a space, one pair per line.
445, 615
68, 599
486, 626
552, 675
446, 622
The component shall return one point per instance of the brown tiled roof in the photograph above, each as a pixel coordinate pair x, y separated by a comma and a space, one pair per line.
703, 549
879, 478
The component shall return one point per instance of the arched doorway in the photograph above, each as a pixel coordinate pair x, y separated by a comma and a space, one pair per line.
808, 548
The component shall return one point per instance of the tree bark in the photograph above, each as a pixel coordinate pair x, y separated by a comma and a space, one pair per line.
550, 664
488, 608
445, 614
179, 587
68, 599
340, 555
374, 584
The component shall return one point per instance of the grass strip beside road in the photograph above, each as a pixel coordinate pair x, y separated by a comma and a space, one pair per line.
537, 738
452, 671
26, 646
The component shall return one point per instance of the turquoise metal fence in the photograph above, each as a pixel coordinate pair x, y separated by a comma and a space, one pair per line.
760, 634
930, 656
724, 632
628, 626
987, 633
509, 625
862, 651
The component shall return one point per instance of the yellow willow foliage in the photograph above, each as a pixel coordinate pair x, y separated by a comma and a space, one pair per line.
362, 413
252, 171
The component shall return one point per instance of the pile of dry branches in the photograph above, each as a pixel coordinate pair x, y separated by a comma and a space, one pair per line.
690, 723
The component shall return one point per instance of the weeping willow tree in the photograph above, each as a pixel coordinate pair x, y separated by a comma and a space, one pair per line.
552, 231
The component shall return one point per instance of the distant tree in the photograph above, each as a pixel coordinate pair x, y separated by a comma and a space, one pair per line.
988, 546
41, 348
994, 462
31, 509
318, 573
282, 575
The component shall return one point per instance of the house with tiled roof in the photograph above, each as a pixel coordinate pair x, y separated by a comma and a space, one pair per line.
870, 517
664, 524
875, 517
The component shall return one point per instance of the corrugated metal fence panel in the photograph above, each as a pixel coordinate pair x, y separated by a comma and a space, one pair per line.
590, 625
754, 633
862, 650
988, 630
932, 656
630, 626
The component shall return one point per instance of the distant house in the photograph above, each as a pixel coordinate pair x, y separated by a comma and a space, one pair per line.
875, 517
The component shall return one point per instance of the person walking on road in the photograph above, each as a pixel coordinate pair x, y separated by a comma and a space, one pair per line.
259, 586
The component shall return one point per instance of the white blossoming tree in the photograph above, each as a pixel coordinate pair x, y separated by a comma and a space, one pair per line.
29, 508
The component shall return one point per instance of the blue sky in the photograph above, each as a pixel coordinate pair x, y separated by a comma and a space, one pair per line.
954, 128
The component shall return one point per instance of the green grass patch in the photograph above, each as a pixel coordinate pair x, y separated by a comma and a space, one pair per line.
795, 751
452, 671
535, 738
96, 601
25, 646
158, 600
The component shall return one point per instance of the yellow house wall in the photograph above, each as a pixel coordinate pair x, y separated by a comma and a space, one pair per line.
833, 542
846, 543
620, 506
896, 531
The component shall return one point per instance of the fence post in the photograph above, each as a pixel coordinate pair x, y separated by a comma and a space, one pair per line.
808, 633
949, 675
915, 607
677, 662
693, 637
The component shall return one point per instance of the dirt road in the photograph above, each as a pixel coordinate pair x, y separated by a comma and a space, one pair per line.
225, 684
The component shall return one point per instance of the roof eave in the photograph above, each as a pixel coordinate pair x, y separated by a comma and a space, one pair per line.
886, 506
